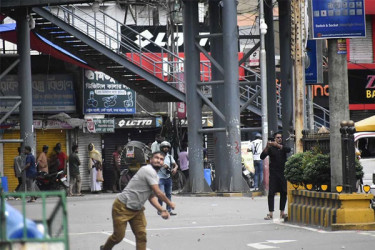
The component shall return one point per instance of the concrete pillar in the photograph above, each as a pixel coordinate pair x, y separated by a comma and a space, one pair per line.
286, 70
193, 101
24, 79
338, 107
271, 68
218, 95
231, 88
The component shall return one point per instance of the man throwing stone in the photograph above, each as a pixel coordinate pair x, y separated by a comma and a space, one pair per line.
129, 205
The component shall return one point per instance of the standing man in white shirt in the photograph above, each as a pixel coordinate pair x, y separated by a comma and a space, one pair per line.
165, 174
256, 148
155, 146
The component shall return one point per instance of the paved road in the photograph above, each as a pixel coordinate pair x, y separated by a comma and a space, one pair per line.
205, 223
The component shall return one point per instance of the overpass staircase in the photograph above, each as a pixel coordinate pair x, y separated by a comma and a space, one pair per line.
100, 40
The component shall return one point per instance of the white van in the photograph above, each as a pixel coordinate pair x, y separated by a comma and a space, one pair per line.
365, 143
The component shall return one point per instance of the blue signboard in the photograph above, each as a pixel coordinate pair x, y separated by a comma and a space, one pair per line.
338, 19
314, 62
104, 95
51, 93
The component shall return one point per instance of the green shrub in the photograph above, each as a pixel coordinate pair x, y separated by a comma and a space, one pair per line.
293, 169
318, 170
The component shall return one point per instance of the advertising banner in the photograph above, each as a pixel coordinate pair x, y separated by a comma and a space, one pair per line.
51, 93
159, 36
150, 122
338, 19
104, 95
314, 62
100, 125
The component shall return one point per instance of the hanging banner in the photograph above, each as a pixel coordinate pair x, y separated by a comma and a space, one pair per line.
181, 106
100, 125
50, 93
314, 62
104, 95
338, 19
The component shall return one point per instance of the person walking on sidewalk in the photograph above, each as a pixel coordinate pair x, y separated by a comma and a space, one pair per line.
129, 205
278, 156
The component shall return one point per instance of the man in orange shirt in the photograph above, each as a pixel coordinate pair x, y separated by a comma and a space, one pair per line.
42, 160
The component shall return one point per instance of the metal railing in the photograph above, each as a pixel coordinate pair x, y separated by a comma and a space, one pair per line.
162, 63
246, 92
322, 118
109, 32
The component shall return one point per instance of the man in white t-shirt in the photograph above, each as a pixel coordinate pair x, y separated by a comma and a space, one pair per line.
129, 205
155, 146
256, 148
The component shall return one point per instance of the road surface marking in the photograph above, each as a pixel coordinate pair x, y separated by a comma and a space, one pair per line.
204, 227
178, 228
261, 245
126, 240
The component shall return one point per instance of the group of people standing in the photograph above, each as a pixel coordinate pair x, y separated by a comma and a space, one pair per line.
26, 168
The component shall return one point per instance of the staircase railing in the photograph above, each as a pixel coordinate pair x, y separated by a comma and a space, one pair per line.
247, 91
321, 119
109, 32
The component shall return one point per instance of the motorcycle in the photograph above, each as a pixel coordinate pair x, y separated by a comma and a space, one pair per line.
53, 181
248, 176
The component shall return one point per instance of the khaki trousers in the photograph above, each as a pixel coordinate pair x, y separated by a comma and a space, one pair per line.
121, 215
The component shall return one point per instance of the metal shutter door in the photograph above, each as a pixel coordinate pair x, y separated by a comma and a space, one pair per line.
9, 152
50, 137
361, 49
83, 141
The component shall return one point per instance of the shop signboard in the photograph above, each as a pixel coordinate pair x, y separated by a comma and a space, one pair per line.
50, 93
150, 122
100, 125
104, 95
338, 19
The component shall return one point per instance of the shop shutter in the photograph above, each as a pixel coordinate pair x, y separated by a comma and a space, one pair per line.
361, 49
9, 152
83, 141
50, 138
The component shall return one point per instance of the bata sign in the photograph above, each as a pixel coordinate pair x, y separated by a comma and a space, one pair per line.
370, 87
138, 123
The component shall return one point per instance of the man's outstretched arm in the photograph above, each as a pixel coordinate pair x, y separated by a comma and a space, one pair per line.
162, 196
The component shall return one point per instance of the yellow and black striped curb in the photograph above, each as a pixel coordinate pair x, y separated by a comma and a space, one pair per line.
331, 210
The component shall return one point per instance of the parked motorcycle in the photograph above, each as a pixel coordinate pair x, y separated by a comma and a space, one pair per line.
53, 181
248, 176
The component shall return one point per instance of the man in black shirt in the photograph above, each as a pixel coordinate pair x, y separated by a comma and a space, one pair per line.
277, 182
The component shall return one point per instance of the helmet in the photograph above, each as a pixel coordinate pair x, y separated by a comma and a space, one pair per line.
165, 144
258, 135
